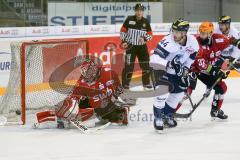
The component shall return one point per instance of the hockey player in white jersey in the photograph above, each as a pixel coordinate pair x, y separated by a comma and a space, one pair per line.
176, 52
224, 27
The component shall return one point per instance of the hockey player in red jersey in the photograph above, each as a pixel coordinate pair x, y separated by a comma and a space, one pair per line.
94, 95
210, 66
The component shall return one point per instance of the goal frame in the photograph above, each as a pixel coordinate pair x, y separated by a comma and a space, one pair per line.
23, 65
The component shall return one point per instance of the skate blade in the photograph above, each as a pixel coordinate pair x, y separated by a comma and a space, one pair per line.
216, 119
147, 89
159, 131
213, 118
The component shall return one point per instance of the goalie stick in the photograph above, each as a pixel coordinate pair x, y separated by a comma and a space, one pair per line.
84, 129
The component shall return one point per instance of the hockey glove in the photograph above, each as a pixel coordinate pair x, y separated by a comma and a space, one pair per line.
235, 64
217, 72
111, 113
187, 78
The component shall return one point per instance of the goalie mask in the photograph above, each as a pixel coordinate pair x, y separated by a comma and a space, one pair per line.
89, 70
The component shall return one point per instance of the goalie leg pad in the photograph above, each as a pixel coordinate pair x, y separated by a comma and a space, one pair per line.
69, 110
46, 116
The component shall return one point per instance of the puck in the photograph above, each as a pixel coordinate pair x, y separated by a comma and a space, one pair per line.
18, 112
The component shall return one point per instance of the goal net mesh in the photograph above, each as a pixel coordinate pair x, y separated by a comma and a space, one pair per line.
42, 75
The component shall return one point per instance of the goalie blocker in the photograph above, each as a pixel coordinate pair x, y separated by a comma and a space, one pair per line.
94, 96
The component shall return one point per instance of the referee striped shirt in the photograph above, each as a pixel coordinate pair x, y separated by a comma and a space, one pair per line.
132, 30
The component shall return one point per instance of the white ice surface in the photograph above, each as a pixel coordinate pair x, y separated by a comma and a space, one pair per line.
195, 139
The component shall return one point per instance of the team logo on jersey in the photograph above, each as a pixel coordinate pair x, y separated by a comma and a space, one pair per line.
132, 22
103, 95
219, 40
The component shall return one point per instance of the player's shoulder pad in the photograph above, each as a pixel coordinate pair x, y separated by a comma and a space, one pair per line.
168, 44
192, 42
219, 38
234, 32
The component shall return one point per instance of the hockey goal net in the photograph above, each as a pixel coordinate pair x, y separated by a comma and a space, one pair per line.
42, 74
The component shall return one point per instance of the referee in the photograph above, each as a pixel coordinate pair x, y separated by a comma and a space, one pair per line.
135, 32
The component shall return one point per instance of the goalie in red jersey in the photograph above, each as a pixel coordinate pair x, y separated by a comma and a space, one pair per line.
94, 96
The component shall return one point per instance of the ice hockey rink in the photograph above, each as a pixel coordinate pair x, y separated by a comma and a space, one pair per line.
196, 138
37, 33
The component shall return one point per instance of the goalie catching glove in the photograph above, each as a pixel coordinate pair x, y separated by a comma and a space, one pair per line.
113, 112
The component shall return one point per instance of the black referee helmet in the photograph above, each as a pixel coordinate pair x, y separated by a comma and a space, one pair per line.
139, 6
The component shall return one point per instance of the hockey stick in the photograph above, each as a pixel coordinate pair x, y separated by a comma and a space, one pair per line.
84, 129
195, 106
190, 100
